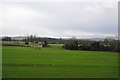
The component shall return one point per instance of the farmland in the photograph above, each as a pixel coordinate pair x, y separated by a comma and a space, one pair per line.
56, 62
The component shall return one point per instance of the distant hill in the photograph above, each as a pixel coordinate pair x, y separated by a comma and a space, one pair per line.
57, 40
96, 39
14, 38
18, 38
113, 37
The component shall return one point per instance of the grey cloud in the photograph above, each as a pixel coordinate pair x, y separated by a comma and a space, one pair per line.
60, 19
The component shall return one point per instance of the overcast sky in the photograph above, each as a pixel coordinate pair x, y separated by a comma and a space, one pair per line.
60, 19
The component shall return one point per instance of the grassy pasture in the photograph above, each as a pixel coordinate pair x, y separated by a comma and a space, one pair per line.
55, 62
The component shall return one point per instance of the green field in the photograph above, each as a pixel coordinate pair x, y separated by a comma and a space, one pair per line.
56, 62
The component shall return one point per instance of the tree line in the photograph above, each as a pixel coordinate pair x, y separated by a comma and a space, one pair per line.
74, 44
106, 45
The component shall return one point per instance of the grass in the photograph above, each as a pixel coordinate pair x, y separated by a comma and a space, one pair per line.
55, 62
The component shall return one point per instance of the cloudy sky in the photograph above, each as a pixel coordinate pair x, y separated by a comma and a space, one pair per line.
60, 19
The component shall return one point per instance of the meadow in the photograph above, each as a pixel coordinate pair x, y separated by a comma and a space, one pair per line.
56, 62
